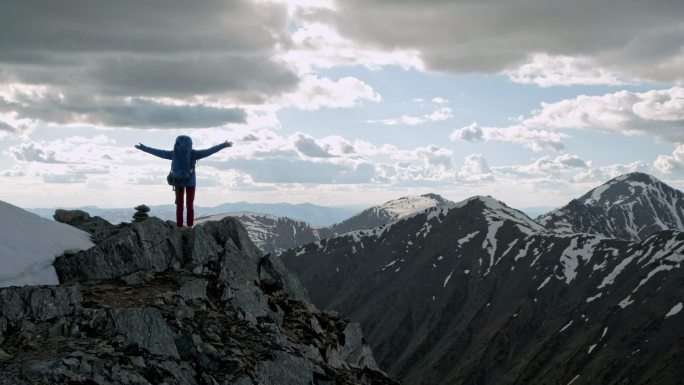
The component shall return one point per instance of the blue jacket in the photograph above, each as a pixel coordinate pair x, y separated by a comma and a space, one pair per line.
196, 155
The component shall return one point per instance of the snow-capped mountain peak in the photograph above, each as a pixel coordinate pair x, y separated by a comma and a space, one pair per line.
631, 206
388, 212
404, 206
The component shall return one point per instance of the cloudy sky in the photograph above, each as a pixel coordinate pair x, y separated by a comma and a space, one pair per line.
338, 102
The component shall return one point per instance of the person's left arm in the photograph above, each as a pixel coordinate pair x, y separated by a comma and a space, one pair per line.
212, 150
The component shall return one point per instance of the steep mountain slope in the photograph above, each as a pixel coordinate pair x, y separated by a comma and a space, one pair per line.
478, 293
153, 305
387, 212
631, 207
29, 245
269, 233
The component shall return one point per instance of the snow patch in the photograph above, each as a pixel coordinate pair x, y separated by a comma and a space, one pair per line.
610, 278
572, 255
626, 302
592, 299
674, 311
29, 245
468, 237
544, 283
565, 327
447, 279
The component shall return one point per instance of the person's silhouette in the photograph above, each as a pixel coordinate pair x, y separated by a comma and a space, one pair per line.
183, 159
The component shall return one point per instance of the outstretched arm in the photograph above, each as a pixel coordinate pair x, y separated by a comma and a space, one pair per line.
154, 151
212, 150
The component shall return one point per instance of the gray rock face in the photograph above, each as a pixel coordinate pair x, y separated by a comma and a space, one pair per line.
285, 369
192, 311
202, 248
144, 328
40, 303
98, 228
150, 246
273, 274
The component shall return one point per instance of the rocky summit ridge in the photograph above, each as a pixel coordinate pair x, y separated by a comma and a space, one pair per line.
149, 304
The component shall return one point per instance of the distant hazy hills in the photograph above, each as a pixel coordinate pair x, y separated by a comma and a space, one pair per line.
315, 215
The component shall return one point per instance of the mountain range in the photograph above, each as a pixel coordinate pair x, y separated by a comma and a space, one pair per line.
475, 292
313, 214
469, 292
274, 234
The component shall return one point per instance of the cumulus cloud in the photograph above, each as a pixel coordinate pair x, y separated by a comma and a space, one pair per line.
637, 39
546, 71
546, 167
475, 169
33, 152
315, 92
440, 113
671, 164
596, 174
318, 45
470, 133
534, 139
307, 146
658, 112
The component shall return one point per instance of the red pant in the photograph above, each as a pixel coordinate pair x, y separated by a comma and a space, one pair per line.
190, 199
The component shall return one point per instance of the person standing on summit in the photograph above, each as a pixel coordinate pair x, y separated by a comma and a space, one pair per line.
182, 175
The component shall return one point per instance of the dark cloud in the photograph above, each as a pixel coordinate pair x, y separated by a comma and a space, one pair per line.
97, 59
245, 78
640, 38
130, 112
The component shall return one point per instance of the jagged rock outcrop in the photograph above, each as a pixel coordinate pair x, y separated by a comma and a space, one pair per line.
150, 246
146, 306
98, 228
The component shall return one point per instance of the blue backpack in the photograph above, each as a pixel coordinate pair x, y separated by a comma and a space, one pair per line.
182, 166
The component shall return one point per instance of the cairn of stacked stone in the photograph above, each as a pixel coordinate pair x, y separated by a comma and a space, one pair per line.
141, 213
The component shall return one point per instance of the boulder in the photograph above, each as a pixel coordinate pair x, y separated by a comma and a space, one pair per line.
98, 228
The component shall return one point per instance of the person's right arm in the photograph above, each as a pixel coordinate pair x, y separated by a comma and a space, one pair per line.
165, 154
